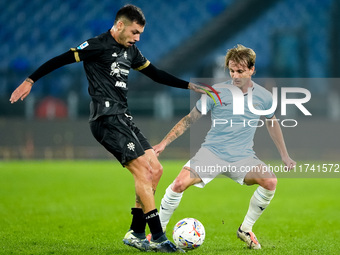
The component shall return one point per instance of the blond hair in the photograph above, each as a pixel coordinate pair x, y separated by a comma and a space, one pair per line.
241, 55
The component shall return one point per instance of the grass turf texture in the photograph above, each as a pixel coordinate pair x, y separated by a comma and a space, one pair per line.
83, 207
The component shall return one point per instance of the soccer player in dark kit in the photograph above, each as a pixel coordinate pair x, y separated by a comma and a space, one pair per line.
107, 60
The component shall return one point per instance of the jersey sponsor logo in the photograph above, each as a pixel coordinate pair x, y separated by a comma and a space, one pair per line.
120, 84
83, 45
124, 72
117, 71
114, 55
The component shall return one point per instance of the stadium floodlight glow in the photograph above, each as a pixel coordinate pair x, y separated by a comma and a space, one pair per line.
238, 100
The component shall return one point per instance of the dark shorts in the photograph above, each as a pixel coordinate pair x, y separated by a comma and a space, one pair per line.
119, 135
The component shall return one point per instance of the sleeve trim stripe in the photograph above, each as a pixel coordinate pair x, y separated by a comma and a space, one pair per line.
147, 63
76, 54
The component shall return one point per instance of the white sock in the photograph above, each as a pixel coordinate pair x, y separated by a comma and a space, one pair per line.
258, 202
169, 203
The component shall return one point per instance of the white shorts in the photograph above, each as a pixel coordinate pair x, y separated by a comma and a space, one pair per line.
208, 166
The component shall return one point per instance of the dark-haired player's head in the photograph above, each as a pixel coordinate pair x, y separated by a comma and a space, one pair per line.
128, 26
130, 13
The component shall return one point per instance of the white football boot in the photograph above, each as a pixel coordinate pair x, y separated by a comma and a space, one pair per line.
249, 238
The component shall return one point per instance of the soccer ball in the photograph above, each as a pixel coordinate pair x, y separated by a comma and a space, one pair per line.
188, 234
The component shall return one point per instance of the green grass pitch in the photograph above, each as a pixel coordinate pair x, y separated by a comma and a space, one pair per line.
83, 207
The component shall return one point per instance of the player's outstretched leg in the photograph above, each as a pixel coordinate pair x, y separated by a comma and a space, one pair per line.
258, 203
135, 237
174, 193
143, 175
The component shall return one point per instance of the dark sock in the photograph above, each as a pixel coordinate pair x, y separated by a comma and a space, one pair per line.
138, 221
152, 218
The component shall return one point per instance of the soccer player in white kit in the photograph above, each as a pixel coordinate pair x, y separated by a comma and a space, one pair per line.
228, 146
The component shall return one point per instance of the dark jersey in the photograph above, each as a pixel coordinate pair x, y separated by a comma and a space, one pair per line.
107, 65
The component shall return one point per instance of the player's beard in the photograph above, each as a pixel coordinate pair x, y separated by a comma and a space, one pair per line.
123, 39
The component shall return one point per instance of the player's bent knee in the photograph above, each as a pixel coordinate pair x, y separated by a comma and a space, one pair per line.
179, 185
269, 183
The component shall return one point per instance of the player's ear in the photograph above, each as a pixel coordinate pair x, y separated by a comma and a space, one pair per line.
252, 70
120, 25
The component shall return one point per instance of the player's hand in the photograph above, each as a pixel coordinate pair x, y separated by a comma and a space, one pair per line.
159, 148
22, 91
289, 163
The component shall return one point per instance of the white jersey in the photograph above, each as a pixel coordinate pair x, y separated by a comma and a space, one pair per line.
231, 136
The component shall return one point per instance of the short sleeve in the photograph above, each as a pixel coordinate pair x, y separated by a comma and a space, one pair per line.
139, 62
87, 49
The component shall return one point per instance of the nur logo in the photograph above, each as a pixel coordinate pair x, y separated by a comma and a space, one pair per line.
238, 100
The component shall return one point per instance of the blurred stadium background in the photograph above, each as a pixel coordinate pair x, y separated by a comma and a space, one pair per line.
188, 38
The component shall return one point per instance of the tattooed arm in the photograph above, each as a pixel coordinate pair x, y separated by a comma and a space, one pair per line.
178, 130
